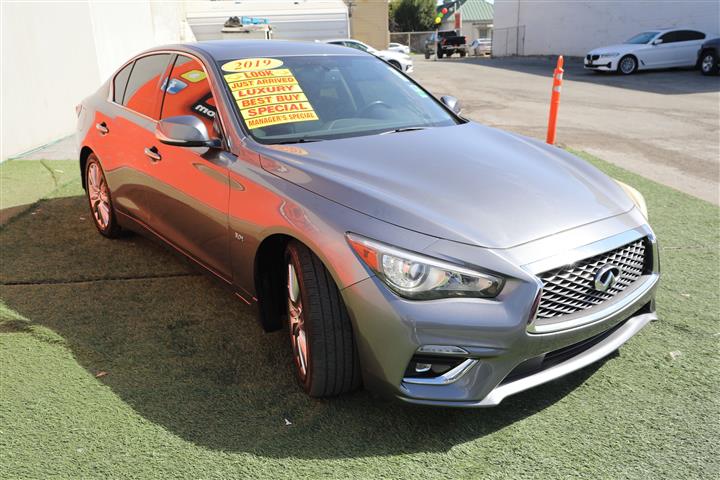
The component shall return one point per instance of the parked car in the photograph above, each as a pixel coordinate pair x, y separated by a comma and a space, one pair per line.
399, 47
400, 245
481, 46
661, 48
708, 57
398, 60
445, 44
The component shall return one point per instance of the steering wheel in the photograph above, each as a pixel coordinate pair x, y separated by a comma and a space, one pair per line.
370, 106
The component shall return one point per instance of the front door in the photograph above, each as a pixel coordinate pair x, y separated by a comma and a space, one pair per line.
191, 191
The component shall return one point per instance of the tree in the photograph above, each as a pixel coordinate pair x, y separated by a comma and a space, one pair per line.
412, 15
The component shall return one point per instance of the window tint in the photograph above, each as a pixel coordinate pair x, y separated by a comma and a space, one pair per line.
143, 88
358, 46
689, 35
120, 82
187, 92
670, 37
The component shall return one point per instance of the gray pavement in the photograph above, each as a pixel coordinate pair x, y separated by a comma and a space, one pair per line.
62, 149
664, 125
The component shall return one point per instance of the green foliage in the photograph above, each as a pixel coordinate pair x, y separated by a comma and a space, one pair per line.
412, 15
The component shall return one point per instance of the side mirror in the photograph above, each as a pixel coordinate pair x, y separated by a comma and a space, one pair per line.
452, 103
184, 131
657, 41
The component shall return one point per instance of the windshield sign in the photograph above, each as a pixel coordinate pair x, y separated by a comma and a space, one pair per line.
296, 99
642, 38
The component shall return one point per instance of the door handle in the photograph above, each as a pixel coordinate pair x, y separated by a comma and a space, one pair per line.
102, 128
153, 154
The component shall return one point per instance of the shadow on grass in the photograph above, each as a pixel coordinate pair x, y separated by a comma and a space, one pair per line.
184, 354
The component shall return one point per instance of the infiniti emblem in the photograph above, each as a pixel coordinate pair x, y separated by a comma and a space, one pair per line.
606, 277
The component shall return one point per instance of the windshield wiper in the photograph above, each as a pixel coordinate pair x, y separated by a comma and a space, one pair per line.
298, 140
403, 129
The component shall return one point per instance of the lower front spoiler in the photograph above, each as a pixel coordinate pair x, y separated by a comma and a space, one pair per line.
593, 354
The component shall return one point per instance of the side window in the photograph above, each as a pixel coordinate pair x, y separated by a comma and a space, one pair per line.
670, 37
689, 35
187, 92
120, 82
144, 87
356, 45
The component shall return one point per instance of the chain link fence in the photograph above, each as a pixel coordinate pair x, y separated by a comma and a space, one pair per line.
508, 41
415, 40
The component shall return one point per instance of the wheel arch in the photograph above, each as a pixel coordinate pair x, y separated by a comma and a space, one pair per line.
85, 152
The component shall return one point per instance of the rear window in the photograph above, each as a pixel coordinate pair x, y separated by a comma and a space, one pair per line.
689, 35
144, 87
120, 82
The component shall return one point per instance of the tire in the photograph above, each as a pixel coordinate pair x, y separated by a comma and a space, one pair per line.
439, 53
395, 64
627, 65
100, 199
708, 63
319, 323
462, 54
427, 55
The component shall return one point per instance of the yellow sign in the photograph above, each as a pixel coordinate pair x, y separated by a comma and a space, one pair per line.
267, 95
194, 76
251, 64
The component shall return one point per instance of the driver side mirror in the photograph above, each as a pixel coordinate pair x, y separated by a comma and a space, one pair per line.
185, 131
657, 41
452, 103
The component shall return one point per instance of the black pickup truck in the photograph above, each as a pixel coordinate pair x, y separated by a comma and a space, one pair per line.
445, 43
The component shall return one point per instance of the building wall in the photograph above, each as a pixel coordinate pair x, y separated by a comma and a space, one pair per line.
574, 28
369, 22
55, 54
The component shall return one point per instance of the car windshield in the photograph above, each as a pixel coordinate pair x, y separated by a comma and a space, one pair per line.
310, 98
642, 38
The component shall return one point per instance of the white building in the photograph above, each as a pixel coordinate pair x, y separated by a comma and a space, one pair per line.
56, 53
551, 27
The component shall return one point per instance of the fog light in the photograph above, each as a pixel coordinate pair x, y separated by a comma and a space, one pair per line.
422, 367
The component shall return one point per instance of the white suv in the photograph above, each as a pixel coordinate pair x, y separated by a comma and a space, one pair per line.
397, 59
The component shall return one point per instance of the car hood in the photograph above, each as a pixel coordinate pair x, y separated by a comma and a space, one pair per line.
467, 183
620, 48
390, 55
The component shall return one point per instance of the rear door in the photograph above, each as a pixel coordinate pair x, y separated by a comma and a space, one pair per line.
688, 45
190, 189
136, 110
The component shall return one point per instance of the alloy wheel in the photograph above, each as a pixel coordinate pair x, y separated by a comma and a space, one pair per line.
627, 65
708, 62
298, 334
98, 195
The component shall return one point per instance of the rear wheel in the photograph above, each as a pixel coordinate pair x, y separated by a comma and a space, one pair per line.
99, 199
321, 336
627, 65
708, 63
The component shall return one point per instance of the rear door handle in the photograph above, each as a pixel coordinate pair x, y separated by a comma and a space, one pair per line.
102, 128
153, 154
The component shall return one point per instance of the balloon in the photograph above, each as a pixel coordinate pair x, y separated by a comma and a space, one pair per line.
438, 20
444, 11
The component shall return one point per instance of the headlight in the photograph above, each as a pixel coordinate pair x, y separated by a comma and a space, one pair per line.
608, 55
635, 196
418, 277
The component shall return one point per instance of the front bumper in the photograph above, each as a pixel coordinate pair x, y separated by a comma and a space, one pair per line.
602, 64
503, 356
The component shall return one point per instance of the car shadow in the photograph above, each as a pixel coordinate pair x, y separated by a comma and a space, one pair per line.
677, 81
182, 352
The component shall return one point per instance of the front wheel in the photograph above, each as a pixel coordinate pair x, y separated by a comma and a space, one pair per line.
321, 335
99, 198
709, 64
627, 65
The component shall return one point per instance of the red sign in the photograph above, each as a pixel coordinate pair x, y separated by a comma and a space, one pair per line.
458, 21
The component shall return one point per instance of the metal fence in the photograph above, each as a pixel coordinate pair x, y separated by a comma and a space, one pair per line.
415, 40
508, 41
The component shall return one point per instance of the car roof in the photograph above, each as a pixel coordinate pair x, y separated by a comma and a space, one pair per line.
226, 49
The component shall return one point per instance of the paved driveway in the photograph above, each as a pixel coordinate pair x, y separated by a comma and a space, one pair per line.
664, 125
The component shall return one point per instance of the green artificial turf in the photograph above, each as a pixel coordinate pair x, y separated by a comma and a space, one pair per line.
119, 360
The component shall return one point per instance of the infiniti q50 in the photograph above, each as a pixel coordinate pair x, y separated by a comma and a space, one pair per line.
401, 246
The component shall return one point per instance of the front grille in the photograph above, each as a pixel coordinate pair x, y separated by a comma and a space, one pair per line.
571, 288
